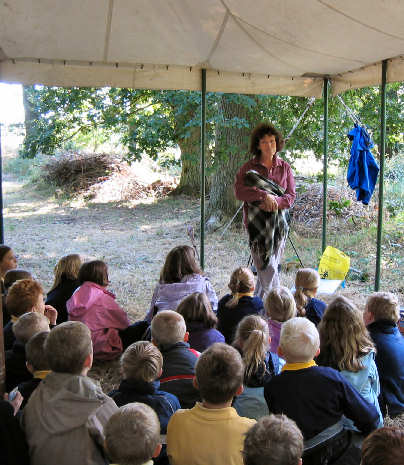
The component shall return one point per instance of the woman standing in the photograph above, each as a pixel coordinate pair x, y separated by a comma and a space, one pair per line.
266, 185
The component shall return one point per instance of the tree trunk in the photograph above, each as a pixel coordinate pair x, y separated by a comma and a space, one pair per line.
30, 117
234, 140
190, 180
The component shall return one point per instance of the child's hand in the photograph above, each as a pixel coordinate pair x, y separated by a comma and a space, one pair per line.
51, 313
16, 399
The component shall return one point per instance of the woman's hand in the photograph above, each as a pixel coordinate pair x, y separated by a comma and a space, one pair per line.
269, 204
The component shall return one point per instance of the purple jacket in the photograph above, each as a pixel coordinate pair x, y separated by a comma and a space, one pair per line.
168, 296
200, 338
275, 333
96, 307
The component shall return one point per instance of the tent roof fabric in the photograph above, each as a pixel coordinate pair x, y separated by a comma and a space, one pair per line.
266, 46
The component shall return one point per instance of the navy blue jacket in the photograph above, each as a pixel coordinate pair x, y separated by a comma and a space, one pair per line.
60, 295
13, 446
362, 168
9, 337
16, 369
229, 318
390, 364
179, 362
315, 309
163, 403
316, 398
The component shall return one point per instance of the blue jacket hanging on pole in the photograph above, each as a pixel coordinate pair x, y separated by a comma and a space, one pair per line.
363, 168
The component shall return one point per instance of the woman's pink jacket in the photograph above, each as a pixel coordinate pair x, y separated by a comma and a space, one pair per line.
96, 307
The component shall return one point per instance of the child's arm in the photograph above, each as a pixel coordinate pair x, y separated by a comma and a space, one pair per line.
356, 408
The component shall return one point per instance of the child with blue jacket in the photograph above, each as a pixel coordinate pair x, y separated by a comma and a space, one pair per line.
306, 285
317, 398
381, 316
142, 365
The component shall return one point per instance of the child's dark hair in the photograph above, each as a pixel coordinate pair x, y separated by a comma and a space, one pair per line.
14, 275
95, 271
180, 262
241, 282
4, 249
196, 307
219, 373
385, 446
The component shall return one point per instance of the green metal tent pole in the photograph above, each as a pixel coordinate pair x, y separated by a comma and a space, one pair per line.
381, 174
203, 140
325, 163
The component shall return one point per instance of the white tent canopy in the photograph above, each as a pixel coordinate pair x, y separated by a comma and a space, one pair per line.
265, 46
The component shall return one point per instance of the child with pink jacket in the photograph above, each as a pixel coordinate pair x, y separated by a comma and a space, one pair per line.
96, 307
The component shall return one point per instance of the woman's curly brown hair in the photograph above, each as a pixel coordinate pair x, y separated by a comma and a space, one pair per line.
265, 129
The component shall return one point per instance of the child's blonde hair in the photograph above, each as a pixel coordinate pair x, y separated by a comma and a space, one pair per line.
299, 340
28, 325
241, 282
280, 305
306, 280
196, 307
383, 306
66, 268
132, 434
168, 327
142, 361
343, 335
252, 338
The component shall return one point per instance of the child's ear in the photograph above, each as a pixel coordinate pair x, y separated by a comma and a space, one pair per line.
30, 368
186, 336
157, 451
88, 362
154, 343
317, 353
269, 340
279, 351
161, 372
195, 383
239, 390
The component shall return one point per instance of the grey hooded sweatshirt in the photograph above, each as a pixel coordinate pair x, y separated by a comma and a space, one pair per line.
64, 421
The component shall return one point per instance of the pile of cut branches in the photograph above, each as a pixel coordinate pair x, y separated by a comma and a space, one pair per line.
342, 204
75, 172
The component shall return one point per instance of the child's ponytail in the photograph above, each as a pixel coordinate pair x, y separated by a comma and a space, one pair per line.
241, 282
252, 338
306, 282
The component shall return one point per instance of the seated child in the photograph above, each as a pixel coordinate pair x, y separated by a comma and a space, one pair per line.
240, 303
200, 320
132, 435
179, 277
346, 346
384, 446
211, 432
273, 440
169, 334
66, 414
381, 316
93, 305
306, 285
8, 261
13, 446
66, 282
25, 295
252, 341
317, 397
37, 364
27, 326
279, 307
141, 365
9, 279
